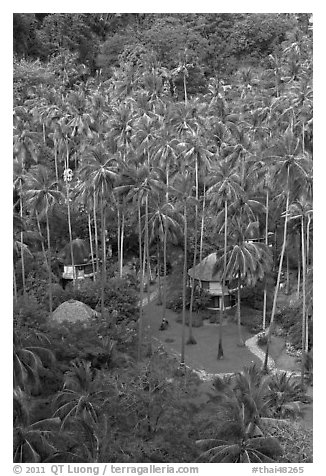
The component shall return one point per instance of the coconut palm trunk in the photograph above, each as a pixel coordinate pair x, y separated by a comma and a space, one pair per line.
266, 243
269, 333
304, 337
165, 268
191, 340
141, 285
165, 239
282, 255
241, 342
70, 236
220, 353
56, 162
91, 243
148, 270
49, 263
15, 284
103, 275
40, 232
95, 233
121, 242
307, 239
184, 287
22, 238
119, 239
202, 226
287, 287
159, 270
299, 277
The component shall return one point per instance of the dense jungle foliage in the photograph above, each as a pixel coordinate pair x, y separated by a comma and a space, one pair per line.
140, 132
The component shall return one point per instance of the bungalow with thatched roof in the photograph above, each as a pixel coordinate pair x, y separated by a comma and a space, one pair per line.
83, 266
206, 277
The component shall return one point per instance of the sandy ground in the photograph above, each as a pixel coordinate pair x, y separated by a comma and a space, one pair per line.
201, 356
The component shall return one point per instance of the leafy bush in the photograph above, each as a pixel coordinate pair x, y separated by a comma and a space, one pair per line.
200, 301
29, 312
296, 443
120, 295
251, 319
96, 341
290, 318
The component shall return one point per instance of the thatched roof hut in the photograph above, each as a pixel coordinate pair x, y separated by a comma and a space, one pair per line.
208, 278
206, 270
80, 250
73, 311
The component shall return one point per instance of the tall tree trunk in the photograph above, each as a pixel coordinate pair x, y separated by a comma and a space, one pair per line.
304, 337
165, 268
103, 275
119, 241
287, 287
159, 270
22, 243
96, 235
191, 339
70, 237
307, 239
104, 244
91, 243
299, 277
15, 284
241, 342
147, 249
184, 288
220, 353
141, 285
185, 88
165, 246
202, 226
40, 232
56, 163
269, 333
281, 257
266, 243
49, 264
122, 238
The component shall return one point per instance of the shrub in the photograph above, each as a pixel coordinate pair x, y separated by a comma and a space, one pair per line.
200, 301
29, 312
290, 318
119, 295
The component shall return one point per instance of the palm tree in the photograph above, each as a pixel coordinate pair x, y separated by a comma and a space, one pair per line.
264, 176
284, 395
82, 394
302, 209
164, 226
29, 358
239, 438
194, 149
246, 261
19, 179
182, 190
42, 195
100, 170
225, 188
140, 181
32, 440
289, 165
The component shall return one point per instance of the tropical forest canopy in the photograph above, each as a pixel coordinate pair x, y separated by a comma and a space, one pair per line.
139, 132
